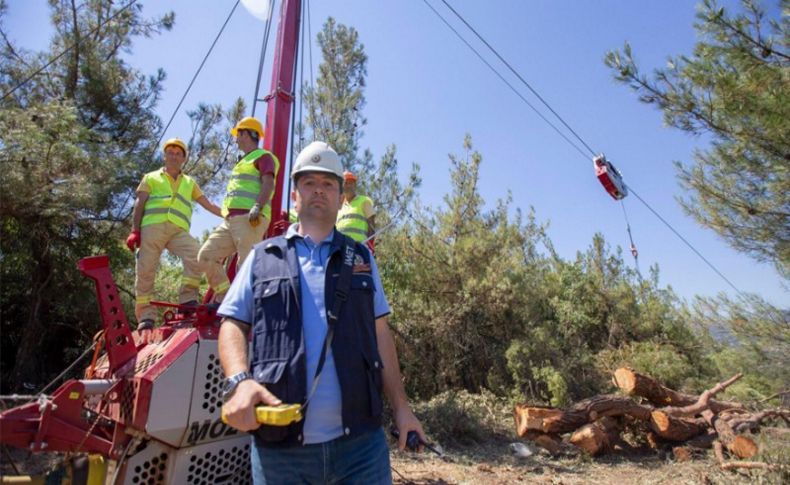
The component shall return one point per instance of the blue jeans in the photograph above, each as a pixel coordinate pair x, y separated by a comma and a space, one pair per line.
362, 459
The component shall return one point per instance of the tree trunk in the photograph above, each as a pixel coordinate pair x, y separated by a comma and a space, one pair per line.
674, 428
636, 384
552, 420
597, 437
29, 363
682, 453
738, 445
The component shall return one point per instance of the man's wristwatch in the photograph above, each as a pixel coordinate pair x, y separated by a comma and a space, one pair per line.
231, 382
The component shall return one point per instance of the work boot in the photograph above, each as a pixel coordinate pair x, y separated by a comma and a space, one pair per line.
145, 324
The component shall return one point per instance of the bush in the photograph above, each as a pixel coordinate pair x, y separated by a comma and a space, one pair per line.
460, 418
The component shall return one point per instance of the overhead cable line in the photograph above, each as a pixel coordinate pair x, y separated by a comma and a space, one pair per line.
68, 49
300, 63
264, 46
502, 78
147, 163
592, 152
194, 77
310, 44
685, 241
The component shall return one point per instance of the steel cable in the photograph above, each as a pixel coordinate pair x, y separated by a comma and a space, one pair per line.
68, 49
655, 212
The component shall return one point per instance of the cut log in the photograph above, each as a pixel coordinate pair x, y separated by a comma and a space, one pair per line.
552, 420
682, 453
550, 442
532, 418
739, 445
598, 437
676, 428
636, 384
654, 442
733, 465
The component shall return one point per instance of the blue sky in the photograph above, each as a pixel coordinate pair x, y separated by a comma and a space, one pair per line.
425, 90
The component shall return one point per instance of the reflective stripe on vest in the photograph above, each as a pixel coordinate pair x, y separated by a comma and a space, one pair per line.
245, 184
351, 219
165, 206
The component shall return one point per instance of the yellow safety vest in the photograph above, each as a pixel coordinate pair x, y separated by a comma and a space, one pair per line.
165, 206
351, 219
245, 184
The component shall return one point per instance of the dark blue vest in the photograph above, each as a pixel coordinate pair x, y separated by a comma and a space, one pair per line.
278, 354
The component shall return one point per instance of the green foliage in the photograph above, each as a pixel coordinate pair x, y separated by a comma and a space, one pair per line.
753, 337
70, 143
75, 141
478, 306
334, 105
460, 418
736, 88
660, 360
456, 279
552, 379
334, 115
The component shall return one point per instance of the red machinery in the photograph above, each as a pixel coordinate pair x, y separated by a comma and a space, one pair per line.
151, 404
609, 177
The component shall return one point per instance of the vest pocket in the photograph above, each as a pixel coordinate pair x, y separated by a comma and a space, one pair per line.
373, 368
272, 339
272, 375
270, 372
362, 281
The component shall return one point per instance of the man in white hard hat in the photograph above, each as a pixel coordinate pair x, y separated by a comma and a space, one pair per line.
161, 220
314, 304
246, 208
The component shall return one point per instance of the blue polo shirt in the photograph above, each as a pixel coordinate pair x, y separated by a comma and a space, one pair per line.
323, 420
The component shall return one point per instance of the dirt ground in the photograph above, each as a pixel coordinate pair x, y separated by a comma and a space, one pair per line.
496, 465
493, 463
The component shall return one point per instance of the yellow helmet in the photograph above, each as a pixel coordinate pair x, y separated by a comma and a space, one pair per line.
248, 123
176, 142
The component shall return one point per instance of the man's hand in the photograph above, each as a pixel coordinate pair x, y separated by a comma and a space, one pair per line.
134, 240
255, 215
239, 411
406, 421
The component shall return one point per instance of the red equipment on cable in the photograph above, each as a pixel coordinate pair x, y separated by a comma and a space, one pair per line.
609, 177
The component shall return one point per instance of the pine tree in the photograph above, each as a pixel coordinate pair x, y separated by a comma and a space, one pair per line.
75, 140
334, 114
736, 88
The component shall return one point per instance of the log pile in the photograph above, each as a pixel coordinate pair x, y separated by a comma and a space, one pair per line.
667, 419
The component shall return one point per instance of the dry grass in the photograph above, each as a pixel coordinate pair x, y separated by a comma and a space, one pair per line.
498, 466
487, 458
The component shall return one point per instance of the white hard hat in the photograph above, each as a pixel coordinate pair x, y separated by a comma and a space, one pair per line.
318, 157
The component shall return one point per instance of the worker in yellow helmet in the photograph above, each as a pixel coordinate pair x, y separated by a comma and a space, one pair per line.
161, 219
356, 217
247, 206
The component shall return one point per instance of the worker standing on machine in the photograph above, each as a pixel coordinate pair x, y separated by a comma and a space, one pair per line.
247, 206
161, 219
314, 304
357, 217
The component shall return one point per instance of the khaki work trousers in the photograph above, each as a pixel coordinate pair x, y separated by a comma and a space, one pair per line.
234, 235
155, 239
